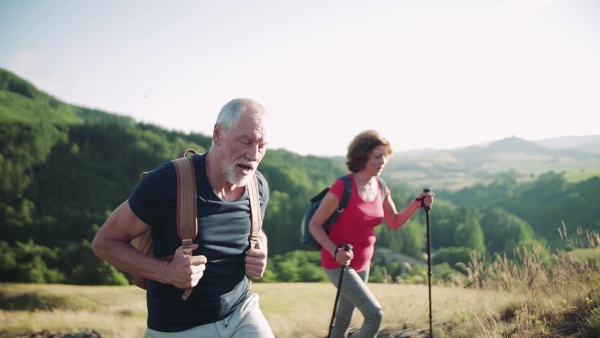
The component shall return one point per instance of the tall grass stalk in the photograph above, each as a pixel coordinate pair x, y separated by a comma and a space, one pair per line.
561, 290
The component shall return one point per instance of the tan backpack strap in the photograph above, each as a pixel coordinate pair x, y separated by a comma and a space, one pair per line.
254, 211
187, 226
185, 152
187, 221
255, 215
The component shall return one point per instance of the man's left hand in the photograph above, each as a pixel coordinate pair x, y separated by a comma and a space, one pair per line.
256, 260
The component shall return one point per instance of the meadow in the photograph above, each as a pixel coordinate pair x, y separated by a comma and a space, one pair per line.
530, 296
293, 309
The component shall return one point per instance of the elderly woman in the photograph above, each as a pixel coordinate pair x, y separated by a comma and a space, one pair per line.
368, 206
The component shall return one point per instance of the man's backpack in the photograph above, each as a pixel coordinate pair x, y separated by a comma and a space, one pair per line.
187, 221
306, 237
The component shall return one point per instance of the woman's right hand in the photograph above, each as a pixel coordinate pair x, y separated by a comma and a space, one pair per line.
343, 254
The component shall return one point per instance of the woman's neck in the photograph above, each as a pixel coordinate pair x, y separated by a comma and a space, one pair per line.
364, 179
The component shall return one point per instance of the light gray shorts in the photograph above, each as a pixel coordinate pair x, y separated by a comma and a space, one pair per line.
246, 321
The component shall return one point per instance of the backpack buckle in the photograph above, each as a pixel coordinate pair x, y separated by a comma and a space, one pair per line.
187, 245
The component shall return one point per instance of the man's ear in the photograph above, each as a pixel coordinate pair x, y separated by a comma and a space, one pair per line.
217, 133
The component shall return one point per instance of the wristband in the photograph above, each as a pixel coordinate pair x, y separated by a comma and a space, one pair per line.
339, 247
335, 253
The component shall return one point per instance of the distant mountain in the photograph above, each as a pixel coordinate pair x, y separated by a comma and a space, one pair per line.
506, 145
589, 143
458, 167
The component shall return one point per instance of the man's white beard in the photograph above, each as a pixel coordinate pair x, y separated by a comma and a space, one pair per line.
234, 178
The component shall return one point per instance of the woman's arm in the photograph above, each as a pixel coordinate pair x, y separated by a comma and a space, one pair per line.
396, 219
326, 209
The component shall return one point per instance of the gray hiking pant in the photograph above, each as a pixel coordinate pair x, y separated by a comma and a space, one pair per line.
355, 294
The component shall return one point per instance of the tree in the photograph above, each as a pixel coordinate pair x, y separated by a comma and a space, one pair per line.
410, 239
501, 227
469, 233
452, 256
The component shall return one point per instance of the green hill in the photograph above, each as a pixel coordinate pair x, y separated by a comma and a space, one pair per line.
63, 168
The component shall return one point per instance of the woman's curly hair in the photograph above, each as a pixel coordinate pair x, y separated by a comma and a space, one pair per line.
361, 147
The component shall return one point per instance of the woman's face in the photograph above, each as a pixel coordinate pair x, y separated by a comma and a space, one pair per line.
377, 160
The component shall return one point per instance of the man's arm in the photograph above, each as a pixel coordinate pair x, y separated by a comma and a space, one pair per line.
112, 243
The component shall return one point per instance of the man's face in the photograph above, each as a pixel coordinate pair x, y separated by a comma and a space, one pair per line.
243, 148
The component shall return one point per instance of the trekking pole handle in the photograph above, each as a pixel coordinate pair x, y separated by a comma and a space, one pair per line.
344, 246
422, 199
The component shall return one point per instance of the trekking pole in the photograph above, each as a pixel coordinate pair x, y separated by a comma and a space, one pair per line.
346, 247
428, 259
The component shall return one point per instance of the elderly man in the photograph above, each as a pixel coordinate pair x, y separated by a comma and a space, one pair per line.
222, 303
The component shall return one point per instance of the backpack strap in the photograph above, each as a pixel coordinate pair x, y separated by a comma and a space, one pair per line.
345, 199
255, 214
383, 187
187, 224
187, 220
255, 211
185, 152
346, 194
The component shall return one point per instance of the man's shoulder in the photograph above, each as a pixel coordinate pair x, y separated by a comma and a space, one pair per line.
199, 160
261, 178
160, 173
263, 186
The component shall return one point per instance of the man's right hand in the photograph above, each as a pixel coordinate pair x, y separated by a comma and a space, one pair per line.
185, 271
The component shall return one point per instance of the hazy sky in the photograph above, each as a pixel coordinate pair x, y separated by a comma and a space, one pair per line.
430, 73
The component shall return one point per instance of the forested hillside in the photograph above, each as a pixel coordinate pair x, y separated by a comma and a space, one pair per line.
64, 168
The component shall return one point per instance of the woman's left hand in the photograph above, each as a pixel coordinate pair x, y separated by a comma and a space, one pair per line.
426, 199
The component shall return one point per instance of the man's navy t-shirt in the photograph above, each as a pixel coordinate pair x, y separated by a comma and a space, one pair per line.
223, 230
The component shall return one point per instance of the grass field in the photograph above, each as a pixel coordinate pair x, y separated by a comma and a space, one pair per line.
293, 309
530, 296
